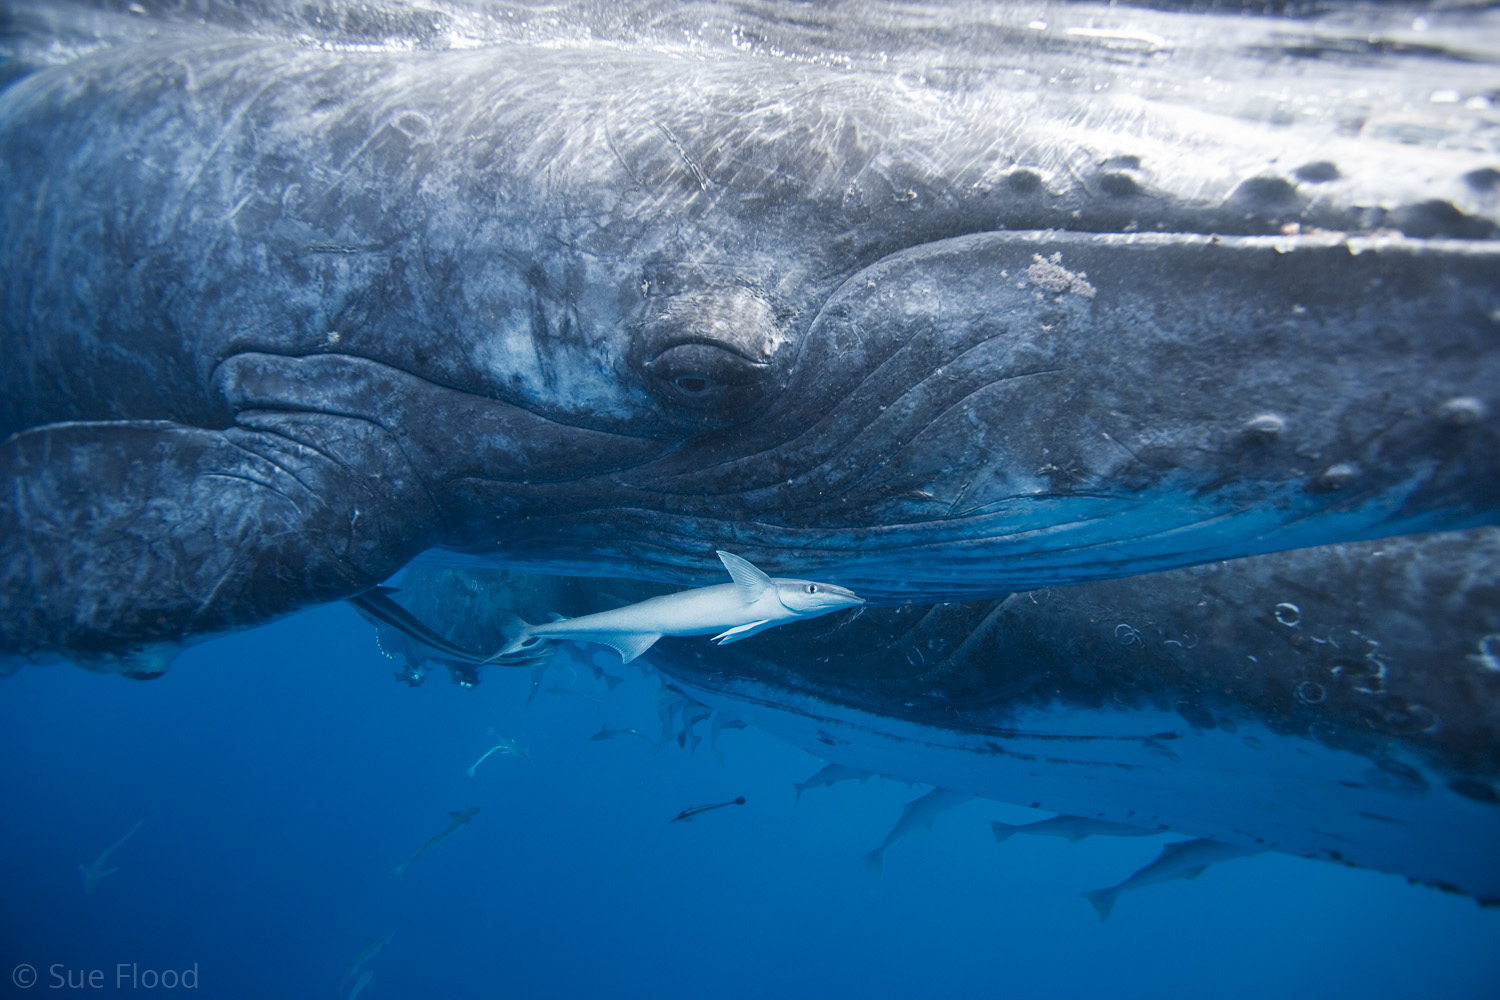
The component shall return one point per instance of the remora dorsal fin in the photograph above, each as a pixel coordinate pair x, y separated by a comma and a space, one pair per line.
751, 582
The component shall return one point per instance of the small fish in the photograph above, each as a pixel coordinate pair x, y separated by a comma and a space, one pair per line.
609, 680
753, 603
361, 983
373, 947
505, 746
1070, 828
457, 819
720, 723
96, 873
538, 672
606, 733
1185, 860
832, 774
559, 689
686, 816
916, 815
688, 737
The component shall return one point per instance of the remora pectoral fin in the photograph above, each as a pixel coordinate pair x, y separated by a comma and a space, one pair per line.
742, 632
749, 581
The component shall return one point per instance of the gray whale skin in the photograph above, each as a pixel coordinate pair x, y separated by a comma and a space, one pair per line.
933, 311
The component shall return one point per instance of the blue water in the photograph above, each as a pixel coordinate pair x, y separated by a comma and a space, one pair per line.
282, 773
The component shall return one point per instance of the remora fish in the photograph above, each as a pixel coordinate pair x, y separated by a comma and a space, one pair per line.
1070, 828
916, 815
831, 774
361, 983
96, 873
751, 604
606, 733
457, 819
1185, 860
373, 947
686, 816
1052, 318
505, 746
720, 723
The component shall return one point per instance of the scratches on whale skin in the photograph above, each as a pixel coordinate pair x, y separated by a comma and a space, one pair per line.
826, 497
692, 164
224, 131
343, 248
253, 481
1125, 448
609, 140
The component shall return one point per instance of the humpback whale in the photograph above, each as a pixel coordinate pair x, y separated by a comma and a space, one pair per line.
934, 308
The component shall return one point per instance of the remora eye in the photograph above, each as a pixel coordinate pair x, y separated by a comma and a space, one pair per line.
812, 588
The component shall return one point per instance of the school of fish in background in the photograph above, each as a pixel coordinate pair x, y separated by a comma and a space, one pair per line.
593, 676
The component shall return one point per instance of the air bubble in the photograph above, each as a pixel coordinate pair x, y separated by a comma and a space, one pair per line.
1267, 425
1310, 693
1488, 656
1337, 476
1288, 614
1462, 411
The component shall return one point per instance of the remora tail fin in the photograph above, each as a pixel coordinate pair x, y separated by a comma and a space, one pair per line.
875, 861
515, 630
1103, 900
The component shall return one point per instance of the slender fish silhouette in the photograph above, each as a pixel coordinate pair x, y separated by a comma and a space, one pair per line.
686, 816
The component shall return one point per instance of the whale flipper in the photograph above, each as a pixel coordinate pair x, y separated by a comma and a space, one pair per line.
158, 530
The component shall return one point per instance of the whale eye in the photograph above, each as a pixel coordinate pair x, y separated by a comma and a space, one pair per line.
812, 588
705, 374
693, 385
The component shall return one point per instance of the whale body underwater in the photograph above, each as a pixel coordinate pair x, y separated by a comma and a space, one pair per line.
928, 310
981, 313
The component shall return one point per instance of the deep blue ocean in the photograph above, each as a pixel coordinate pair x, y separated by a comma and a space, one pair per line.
281, 774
